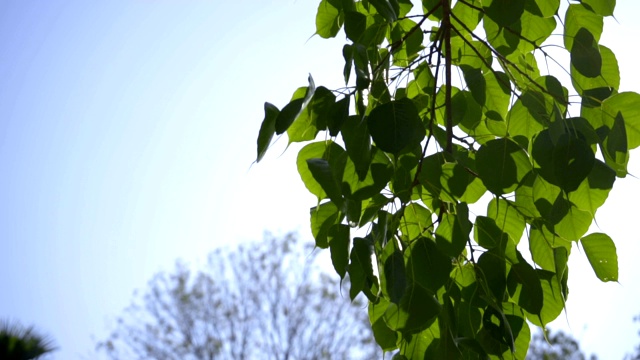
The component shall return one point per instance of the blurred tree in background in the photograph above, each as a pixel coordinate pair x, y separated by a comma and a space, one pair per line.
20, 343
561, 346
636, 354
262, 300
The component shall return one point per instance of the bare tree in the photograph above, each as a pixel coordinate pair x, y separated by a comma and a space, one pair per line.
261, 300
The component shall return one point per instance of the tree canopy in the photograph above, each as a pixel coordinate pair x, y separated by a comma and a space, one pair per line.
263, 300
447, 145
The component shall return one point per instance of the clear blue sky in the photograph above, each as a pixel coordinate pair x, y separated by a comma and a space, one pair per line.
127, 132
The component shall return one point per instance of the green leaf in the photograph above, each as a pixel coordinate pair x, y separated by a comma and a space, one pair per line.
323, 217
585, 55
433, 7
329, 151
600, 7
520, 329
360, 269
487, 234
453, 231
355, 24
627, 104
290, 112
455, 181
560, 216
395, 126
267, 129
339, 246
615, 146
573, 160
507, 218
591, 194
388, 9
553, 298
601, 252
502, 164
577, 17
384, 336
430, 180
358, 143
329, 19
417, 310
406, 41
565, 161
535, 29
543, 8
493, 269
468, 15
323, 174
607, 80
537, 107
416, 222
372, 207
524, 286
393, 279
427, 265
503, 12
313, 117
378, 176
541, 251
490, 90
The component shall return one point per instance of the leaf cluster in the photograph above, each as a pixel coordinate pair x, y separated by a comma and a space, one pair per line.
444, 104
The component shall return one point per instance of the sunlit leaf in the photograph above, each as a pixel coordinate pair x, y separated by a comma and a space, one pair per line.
329, 151
578, 16
323, 217
290, 112
329, 19
601, 7
601, 252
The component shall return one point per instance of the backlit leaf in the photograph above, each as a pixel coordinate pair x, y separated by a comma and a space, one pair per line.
267, 129
339, 246
329, 19
395, 126
502, 164
601, 252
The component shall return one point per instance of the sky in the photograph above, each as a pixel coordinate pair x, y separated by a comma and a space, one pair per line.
127, 136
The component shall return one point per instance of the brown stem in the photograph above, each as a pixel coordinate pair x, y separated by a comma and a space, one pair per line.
446, 26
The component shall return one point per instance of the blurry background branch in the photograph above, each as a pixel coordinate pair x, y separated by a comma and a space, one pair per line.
260, 300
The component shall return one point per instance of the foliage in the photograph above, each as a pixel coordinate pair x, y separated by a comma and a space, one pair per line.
444, 104
560, 346
259, 301
20, 343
